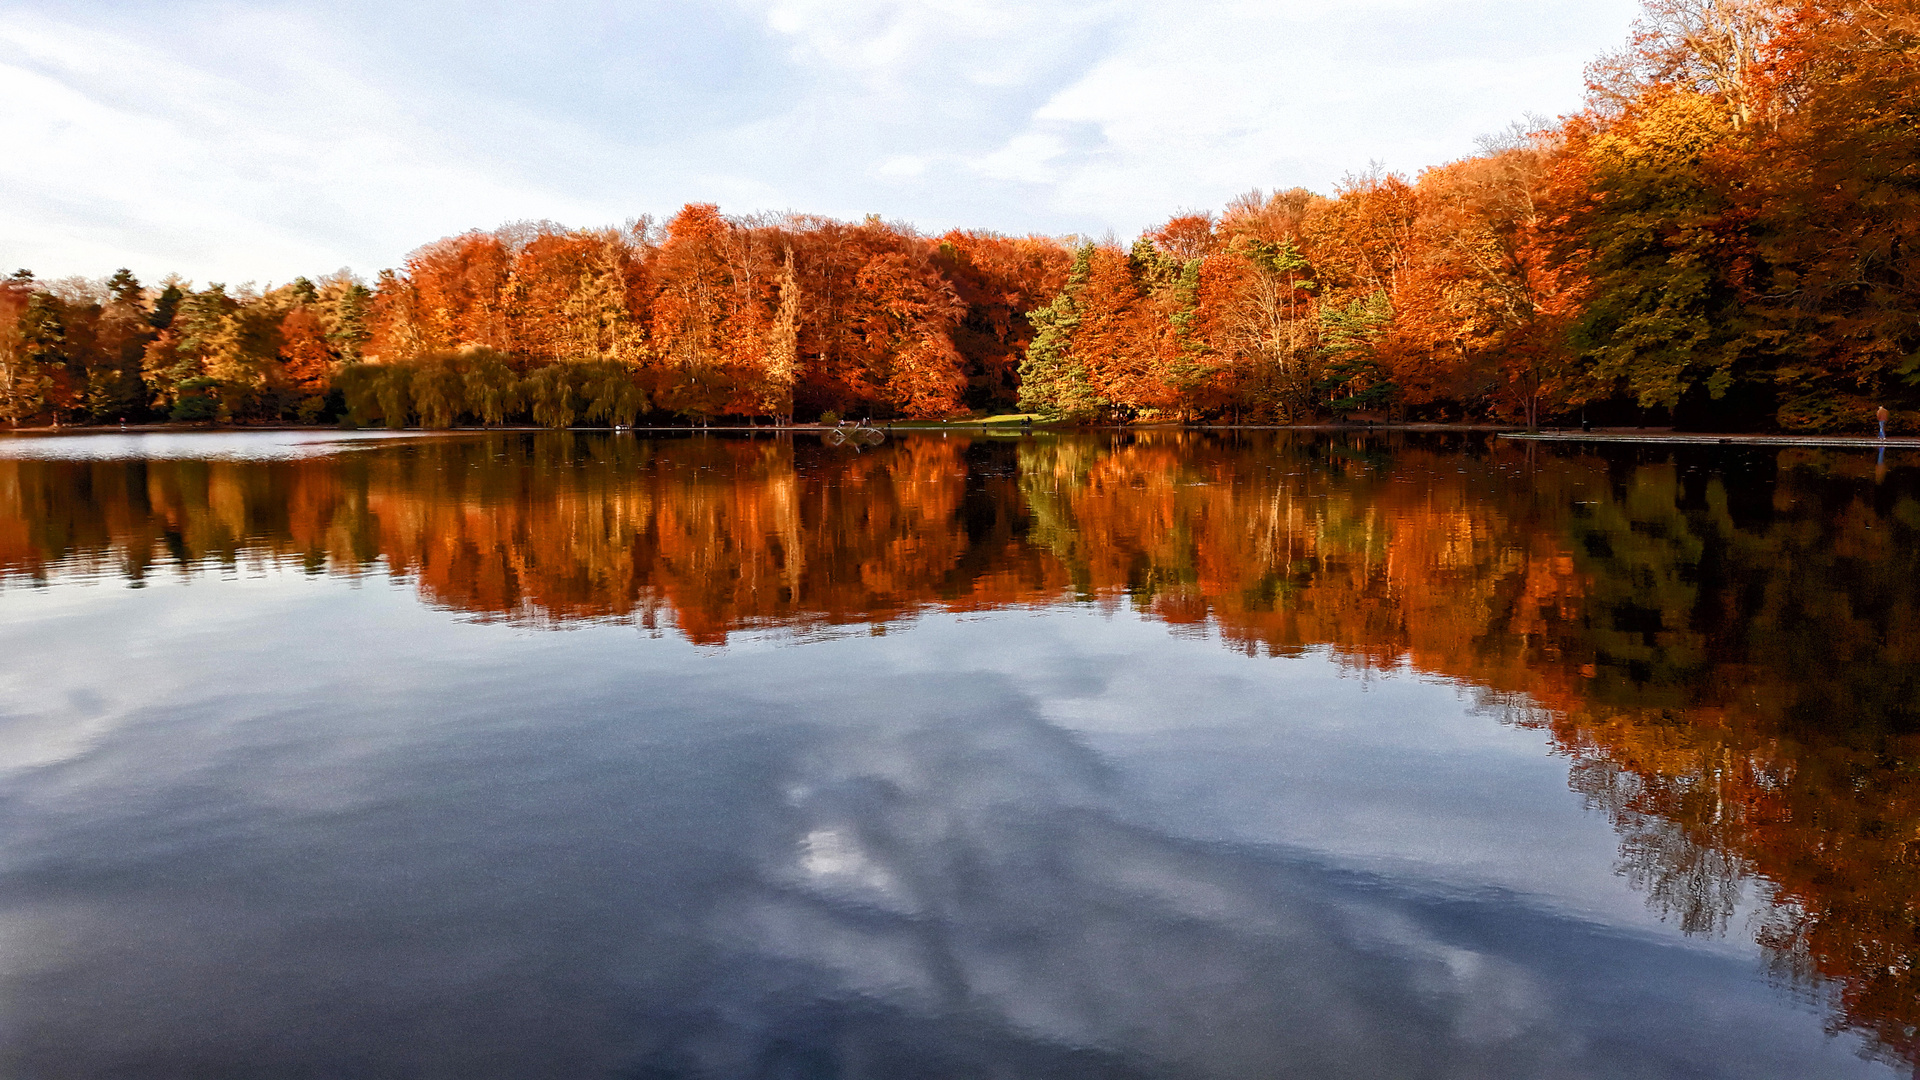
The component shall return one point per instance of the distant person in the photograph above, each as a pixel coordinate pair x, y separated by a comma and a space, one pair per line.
1883, 414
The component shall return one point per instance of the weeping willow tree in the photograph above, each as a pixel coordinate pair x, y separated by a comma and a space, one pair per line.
442, 389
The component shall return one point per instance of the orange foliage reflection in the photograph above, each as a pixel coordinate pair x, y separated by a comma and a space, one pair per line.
1728, 653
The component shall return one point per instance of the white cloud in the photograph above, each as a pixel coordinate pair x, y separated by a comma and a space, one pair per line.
1199, 102
234, 142
140, 156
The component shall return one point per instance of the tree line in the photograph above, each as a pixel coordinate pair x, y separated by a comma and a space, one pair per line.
1724, 236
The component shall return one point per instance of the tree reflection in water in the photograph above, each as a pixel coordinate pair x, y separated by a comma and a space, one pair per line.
1726, 645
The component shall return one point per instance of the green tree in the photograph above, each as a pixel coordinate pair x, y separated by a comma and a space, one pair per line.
492, 387
1666, 258
1052, 381
122, 329
195, 400
167, 304
611, 394
438, 391
344, 307
550, 395
243, 355
180, 352
1351, 376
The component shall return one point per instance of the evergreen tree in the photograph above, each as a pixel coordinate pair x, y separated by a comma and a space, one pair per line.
167, 304
1052, 381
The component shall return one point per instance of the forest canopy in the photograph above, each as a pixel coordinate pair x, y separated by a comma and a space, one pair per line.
1723, 238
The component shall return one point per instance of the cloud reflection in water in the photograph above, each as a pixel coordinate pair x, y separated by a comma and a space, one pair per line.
938, 793
583, 854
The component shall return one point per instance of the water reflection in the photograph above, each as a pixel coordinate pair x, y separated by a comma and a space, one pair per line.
1723, 644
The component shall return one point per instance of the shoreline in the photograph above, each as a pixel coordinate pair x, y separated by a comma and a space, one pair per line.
1648, 436
1680, 438
730, 429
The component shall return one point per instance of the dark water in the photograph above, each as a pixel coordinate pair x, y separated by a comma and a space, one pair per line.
1152, 756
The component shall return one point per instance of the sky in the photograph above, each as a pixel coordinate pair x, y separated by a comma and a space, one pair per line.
259, 141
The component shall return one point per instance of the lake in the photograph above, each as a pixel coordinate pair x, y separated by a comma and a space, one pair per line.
1153, 754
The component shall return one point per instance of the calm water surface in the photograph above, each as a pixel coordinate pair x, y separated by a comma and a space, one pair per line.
1159, 755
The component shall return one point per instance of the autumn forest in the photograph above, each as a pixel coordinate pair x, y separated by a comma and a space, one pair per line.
1724, 238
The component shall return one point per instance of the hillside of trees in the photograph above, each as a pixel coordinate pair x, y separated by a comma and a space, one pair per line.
1723, 238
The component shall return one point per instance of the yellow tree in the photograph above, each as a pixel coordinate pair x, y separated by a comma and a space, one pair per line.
783, 346
25, 377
